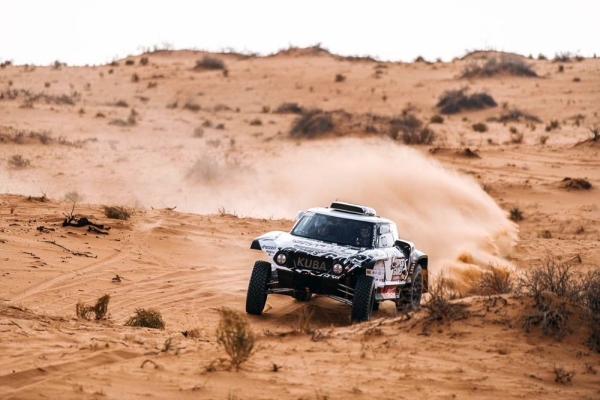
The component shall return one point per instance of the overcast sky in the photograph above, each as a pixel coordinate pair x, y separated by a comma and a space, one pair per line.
95, 32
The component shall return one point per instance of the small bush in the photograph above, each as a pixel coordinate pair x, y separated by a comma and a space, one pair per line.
17, 161
516, 115
99, 309
516, 214
454, 101
563, 376
545, 234
312, 123
439, 307
339, 78
130, 62
135, 78
562, 57
208, 62
576, 183
144, 61
516, 137
289, 108
493, 280
480, 127
437, 119
408, 128
116, 212
146, 318
191, 106
543, 139
256, 122
506, 65
122, 103
576, 79
235, 335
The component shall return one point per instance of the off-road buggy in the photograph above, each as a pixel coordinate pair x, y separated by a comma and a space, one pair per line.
345, 252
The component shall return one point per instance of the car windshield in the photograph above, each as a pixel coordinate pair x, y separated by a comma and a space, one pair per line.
342, 231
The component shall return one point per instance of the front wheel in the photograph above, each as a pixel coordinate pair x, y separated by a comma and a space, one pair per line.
364, 297
256, 297
410, 294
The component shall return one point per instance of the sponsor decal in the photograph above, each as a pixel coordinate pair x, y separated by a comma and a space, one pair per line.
303, 262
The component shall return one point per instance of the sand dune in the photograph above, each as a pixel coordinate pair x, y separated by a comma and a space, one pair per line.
230, 185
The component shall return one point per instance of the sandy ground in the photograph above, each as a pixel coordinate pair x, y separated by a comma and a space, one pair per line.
230, 185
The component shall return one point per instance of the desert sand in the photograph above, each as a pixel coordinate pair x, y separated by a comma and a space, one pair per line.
205, 164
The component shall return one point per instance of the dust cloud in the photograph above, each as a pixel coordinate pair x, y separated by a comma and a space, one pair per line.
444, 213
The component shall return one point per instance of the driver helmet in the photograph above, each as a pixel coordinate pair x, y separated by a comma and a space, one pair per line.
364, 232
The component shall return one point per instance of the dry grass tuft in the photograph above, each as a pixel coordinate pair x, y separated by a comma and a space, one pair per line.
235, 335
18, 161
439, 307
493, 280
312, 123
516, 214
99, 309
116, 212
146, 318
563, 376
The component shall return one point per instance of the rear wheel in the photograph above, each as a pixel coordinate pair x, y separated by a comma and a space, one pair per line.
410, 294
301, 296
364, 297
257, 288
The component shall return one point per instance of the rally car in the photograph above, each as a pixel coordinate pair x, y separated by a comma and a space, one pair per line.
345, 252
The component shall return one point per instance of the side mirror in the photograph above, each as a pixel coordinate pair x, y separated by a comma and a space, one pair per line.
299, 214
384, 229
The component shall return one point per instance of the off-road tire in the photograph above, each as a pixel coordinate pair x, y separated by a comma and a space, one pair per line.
364, 297
257, 288
410, 294
375, 305
301, 296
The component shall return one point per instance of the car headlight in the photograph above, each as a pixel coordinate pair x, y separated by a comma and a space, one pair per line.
281, 259
337, 269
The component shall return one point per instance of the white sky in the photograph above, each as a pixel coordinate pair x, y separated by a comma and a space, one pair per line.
95, 32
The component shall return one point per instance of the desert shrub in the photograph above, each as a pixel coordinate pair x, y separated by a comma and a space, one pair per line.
576, 183
561, 68
191, 106
493, 66
591, 300
516, 137
208, 62
198, 132
480, 127
116, 212
339, 78
135, 78
493, 280
146, 318
130, 62
122, 103
256, 122
437, 119
562, 376
554, 124
99, 309
17, 161
576, 79
542, 57
408, 128
236, 336
144, 61
545, 234
440, 307
516, 214
266, 109
220, 126
595, 131
312, 123
516, 115
453, 101
130, 121
289, 108
562, 57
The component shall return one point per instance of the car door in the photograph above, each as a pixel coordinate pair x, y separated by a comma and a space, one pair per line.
394, 260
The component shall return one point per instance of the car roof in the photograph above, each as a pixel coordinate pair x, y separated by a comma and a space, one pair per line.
349, 215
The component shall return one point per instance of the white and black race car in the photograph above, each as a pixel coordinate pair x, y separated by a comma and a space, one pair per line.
345, 252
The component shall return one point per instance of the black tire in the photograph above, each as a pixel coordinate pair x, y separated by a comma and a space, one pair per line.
257, 288
301, 296
410, 294
364, 297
